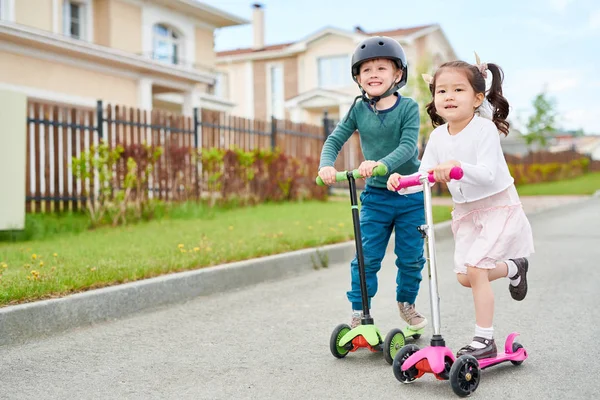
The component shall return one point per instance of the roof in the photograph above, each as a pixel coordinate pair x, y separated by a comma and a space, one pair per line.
401, 31
357, 30
251, 50
204, 12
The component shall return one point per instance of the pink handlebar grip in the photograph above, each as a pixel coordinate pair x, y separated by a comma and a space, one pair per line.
456, 173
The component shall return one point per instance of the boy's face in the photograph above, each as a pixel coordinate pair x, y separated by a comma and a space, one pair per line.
378, 75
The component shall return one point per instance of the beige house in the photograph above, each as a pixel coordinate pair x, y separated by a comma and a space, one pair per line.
143, 53
301, 80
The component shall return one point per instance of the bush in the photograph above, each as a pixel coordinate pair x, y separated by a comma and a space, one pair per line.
548, 172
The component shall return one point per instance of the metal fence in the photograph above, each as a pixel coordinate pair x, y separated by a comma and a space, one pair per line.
57, 134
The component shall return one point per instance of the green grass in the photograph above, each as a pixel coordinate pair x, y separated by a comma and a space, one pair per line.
583, 185
190, 237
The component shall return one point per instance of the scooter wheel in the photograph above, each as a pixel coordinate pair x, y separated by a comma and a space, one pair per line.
393, 342
465, 375
337, 334
409, 375
516, 346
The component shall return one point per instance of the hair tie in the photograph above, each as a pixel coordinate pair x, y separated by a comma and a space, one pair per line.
482, 67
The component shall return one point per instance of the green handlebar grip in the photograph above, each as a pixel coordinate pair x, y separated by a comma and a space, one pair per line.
379, 170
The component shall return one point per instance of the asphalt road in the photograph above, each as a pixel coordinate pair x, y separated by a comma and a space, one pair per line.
271, 341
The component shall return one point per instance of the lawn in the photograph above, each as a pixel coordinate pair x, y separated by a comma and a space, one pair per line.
59, 262
582, 185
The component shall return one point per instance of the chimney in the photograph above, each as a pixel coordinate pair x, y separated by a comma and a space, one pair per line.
258, 25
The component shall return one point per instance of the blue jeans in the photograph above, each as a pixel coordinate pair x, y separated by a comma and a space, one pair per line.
381, 212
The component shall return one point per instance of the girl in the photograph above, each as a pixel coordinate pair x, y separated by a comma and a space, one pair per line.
491, 232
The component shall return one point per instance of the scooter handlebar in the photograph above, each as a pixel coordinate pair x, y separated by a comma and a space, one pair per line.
456, 173
379, 170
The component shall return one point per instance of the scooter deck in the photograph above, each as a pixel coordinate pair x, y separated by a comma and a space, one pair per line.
519, 355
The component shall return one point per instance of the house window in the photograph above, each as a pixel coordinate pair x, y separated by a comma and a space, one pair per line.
334, 72
166, 44
7, 10
74, 19
276, 91
220, 85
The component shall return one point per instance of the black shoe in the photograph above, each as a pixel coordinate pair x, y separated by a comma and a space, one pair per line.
520, 291
489, 351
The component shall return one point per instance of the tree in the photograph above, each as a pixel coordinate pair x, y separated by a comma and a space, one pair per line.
541, 123
419, 91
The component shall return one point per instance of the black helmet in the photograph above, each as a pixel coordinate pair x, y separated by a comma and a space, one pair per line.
380, 47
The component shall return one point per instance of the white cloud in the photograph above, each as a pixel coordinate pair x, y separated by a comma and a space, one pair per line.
552, 31
552, 80
584, 118
521, 87
560, 5
594, 20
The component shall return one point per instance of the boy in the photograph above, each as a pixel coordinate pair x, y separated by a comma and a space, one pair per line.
388, 125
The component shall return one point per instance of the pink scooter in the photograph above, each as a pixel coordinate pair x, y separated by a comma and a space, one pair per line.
411, 362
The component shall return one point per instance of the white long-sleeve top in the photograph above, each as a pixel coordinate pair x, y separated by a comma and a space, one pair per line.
477, 148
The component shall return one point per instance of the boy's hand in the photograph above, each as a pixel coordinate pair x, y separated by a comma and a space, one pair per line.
365, 169
393, 181
441, 172
327, 174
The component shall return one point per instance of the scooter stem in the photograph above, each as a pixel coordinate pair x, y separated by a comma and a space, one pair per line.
429, 233
366, 319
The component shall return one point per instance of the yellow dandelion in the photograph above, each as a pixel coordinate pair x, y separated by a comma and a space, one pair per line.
341, 224
4, 265
196, 249
93, 269
41, 263
34, 256
55, 255
181, 246
230, 228
183, 250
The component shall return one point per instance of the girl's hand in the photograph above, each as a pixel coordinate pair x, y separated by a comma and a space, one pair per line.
393, 181
441, 172
366, 168
327, 174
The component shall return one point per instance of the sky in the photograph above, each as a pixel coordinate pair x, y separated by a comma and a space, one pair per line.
550, 46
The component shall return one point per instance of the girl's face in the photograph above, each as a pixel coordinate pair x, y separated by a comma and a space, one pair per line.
378, 75
455, 99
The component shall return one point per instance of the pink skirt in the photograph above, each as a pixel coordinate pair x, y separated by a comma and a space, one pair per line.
489, 230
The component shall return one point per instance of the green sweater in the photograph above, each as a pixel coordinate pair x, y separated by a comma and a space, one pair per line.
390, 137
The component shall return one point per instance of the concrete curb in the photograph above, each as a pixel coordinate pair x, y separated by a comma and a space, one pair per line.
26, 321
21, 323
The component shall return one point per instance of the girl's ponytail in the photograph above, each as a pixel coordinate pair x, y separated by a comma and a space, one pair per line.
496, 99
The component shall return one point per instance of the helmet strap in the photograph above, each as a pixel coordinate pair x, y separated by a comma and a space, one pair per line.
373, 100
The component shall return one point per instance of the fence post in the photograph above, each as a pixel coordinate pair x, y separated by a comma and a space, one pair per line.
273, 132
198, 168
325, 136
100, 118
325, 125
